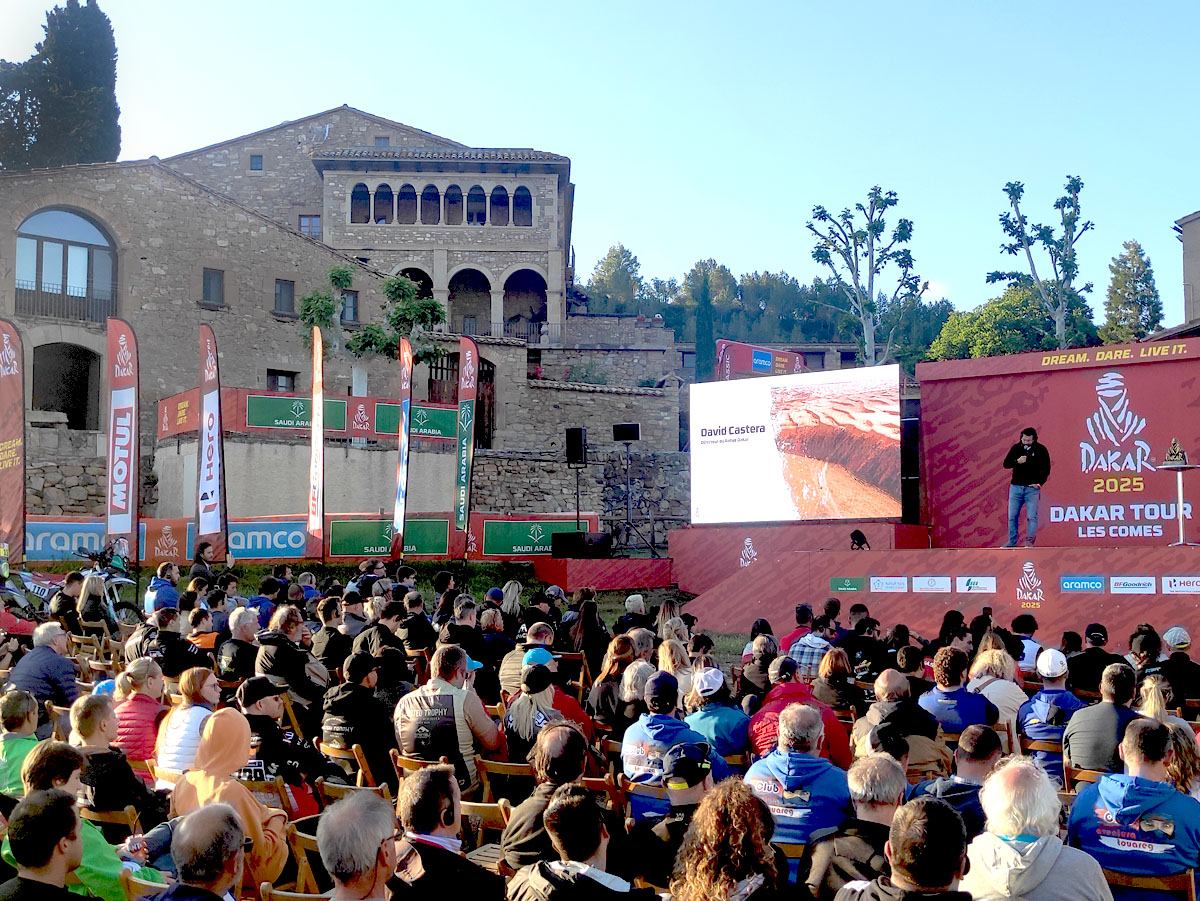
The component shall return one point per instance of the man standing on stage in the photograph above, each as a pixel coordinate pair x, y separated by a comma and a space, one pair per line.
1030, 465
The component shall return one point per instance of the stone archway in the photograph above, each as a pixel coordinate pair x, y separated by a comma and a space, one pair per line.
66, 379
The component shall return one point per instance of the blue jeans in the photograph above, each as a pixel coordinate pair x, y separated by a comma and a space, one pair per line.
1023, 496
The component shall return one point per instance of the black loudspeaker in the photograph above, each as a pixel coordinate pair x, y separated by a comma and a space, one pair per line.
576, 445
580, 545
627, 431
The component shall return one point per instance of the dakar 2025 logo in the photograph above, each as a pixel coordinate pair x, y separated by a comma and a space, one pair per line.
1113, 429
8, 359
123, 367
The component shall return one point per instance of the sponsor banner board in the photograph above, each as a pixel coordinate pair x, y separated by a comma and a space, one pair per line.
427, 420
931, 584
1133, 584
735, 359
493, 536
845, 583
358, 538
468, 387
123, 434
975, 584
278, 411
12, 441
1089, 583
889, 584
1181, 584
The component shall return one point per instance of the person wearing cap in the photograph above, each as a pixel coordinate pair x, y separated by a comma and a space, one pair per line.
805, 793
687, 777
281, 752
634, 617
1093, 735
1044, 716
788, 689
715, 716
540, 610
445, 718
1084, 669
647, 741
976, 756
494, 597
529, 711
354, 716
564, 703
1146, 653
354, 619
1180, 670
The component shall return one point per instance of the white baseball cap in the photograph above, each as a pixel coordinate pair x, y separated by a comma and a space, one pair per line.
1051, 664
1177, 637
708, 681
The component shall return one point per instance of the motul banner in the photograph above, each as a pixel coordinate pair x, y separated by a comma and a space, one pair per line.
122, 504
468, 378
12, 441
210, 459
316, 469
406, 373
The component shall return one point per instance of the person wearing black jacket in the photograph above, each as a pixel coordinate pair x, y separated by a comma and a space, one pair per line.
354, 716
1030, 465
236, 657
330, 645
415, 629
160, 640
687, 777
281, 751
381, 634
64, 605
282, 657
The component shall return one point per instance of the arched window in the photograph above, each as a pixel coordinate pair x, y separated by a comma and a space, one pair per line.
360, 205
499, 206
522, 207
66, 267
431, 206
66, 379
476, 206
454, 205
406, 205
382, 214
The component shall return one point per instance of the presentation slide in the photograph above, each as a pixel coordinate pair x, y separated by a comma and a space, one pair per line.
819, 445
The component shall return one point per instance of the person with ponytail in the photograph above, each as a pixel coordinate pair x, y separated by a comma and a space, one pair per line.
529, 711
604, 699
139, 705
1154, 702
179, 734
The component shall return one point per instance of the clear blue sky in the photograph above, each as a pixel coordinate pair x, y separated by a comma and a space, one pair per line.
710, 129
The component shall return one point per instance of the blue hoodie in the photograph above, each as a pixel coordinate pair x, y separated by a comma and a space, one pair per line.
723, 726
1044, 718
957, 709
264, 606
1136, 826
642, 749
159, 594
806, 794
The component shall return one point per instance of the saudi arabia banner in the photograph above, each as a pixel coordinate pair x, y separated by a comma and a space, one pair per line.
406, 373
316, 468
468, 379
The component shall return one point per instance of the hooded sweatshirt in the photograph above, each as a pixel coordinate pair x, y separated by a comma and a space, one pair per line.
1041, 870
225, 748
1044, 718
642, 750
806, 794
159, 594
1137, 826
764, 725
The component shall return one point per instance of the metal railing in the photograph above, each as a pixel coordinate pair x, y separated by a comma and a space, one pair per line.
53, 300
531, 332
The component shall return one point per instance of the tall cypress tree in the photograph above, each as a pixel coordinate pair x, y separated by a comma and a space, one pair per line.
706, 344
1132, 309
60, 106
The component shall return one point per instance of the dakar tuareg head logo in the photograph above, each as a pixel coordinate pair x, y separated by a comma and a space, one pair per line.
1029, 586
468, 370
166, 548
210, 361
9, 365
749, 554
362, 422
1113, 429
123, 367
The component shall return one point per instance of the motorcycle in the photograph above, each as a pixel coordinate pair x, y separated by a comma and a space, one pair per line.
110, 564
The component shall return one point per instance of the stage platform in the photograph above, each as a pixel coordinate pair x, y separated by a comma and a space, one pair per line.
618, 574
1064, 588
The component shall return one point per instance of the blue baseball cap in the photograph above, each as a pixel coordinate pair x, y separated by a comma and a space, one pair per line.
538, 657
495, 594
473, 665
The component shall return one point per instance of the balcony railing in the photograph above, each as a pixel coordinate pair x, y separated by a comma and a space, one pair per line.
52, 300
531, 332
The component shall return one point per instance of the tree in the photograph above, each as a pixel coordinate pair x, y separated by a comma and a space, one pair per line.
1132, 309
1024, 236
59, 107
857, 253
706, 344
1013, 323
615, 281
722, 287
915, 325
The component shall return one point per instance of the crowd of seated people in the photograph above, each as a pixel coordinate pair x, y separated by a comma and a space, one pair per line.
839, 761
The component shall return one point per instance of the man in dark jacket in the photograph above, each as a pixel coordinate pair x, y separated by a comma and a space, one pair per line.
462, 630
634, 617
579, 833
896, 712
856, 851
166, 646
977, 755
45, 837
429, 862
1085, 668
1181, 671
235, 658
280, 751
1030, 465
415, 630
330, 645
927, 852
47, 673
382, 633
266, 600
64, 605
1094, 733
354, 716
353, 620
687, 777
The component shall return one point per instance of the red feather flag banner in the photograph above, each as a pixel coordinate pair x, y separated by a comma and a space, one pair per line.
123, 432
212, 515
12, 441
316, 467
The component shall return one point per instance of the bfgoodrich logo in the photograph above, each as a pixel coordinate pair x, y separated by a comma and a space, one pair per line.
1081, 583
1133, 584
1181, 585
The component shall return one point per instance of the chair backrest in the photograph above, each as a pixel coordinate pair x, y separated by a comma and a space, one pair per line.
268, 892
329, 792
341, 756
612, 755
791, 850
164, 775
489, 768
268, 791
98, 625
291, 716
849, 715
1029, 744
405, 765
138, 888
1182, 884
640, 789
1073, 775
606, 785
739, 762
127, 818
489, 816
60, 718
302, 840
495, 711
144, 766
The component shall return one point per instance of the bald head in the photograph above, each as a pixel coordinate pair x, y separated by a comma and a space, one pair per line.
206, 846
892, 685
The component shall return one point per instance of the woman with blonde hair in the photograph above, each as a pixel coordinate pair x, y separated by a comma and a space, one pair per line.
1154, 699
673, 658
1184, 769
529, 710
179, 734
138, 696
93, 606
994, 675
677, 629
667, 612
727, 853
633, 694
510, 607
835, 686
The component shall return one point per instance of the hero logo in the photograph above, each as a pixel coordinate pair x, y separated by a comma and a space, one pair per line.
362, 422
123, 367
749, 554
1081, 583
1181, 585
9, 364
120, 483
1114, 429
210, 363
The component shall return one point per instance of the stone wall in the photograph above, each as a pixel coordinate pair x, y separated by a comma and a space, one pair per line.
616, 331
618, 367
65, 470
553, 407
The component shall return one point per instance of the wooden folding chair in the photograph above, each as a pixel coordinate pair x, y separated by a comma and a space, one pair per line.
606, 785
331, 792
848, 716
126, 629
269, 792
1029, 745
1072, 776
488, 769
143, 766
405, 765
126, 818
268, 892
641, 790
92, 626
352, 759
791, 850
1182, 884
60, 717
570, 657
302, 840
639, 882
290, 713
739, 763
612, 756
495, 711
491, 817
136, 888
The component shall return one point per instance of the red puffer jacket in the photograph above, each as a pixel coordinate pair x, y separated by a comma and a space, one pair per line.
137, 726
764, 725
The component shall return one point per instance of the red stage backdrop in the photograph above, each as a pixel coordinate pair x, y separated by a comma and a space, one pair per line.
1106, 415
12, 441
123, 481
